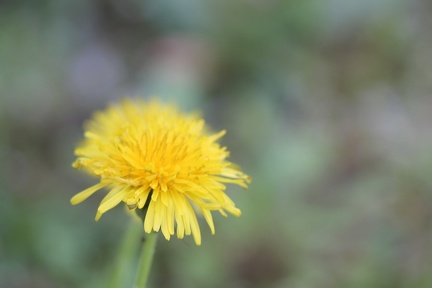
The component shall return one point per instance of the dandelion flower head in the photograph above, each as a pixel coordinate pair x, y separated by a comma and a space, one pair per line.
152, 157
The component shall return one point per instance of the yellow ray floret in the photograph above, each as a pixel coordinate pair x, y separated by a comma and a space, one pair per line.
152, 157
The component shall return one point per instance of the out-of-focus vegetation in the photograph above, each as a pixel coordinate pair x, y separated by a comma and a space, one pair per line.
328, 105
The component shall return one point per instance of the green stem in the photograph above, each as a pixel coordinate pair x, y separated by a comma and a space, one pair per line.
125, 255
145, 260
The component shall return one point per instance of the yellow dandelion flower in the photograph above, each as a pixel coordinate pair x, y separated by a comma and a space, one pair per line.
152, 157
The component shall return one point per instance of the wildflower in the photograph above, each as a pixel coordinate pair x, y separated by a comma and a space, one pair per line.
154, 158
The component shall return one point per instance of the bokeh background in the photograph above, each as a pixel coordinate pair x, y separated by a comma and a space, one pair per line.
328, 106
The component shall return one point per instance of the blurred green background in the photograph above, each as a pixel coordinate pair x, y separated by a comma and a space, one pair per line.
327, 105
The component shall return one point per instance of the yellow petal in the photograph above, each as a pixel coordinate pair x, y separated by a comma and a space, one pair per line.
114, 197
209, 219
149, 218
180, 225
80, 197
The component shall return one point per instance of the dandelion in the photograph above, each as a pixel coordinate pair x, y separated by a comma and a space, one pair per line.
159, 161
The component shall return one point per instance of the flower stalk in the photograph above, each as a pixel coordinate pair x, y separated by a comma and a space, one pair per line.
145, 260
126, 253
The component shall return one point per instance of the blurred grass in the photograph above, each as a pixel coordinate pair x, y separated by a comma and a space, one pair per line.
327, 105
